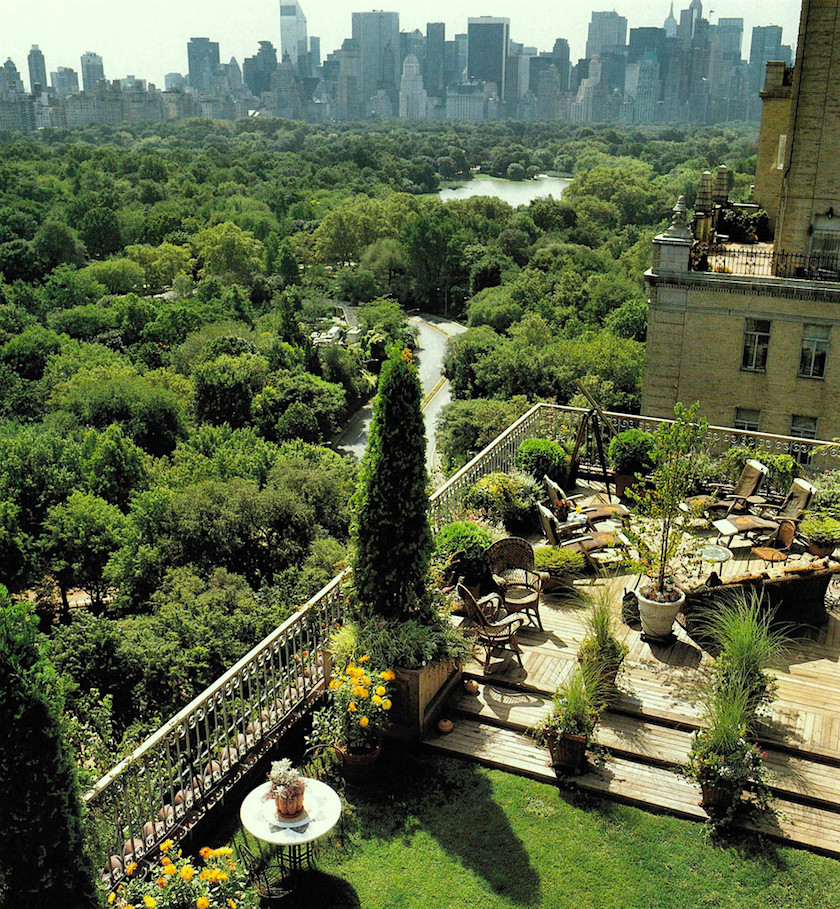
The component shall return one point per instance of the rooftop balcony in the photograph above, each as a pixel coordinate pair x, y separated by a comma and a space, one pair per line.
762, 260
187, 767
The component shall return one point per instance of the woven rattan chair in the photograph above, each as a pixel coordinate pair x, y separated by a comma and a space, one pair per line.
494, 629
512, 566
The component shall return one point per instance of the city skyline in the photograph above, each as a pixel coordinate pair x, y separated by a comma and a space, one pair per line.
157, 44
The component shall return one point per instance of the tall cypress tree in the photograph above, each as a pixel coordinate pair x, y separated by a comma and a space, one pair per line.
391, 531
42, 861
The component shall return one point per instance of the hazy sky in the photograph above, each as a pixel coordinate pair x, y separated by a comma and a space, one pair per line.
147, 38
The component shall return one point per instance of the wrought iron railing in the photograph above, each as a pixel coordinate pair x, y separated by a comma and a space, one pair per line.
182, 770
763, 262
173, 778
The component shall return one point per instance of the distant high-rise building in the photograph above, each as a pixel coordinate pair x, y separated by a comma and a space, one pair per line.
203, 59
670, 24
487, 49
607, 32
315, 52
350, 97
413, 96
377, 35
65, 81
433, 70
10, 80
559, 59
92, 70
293, 41
174, 82
766, 45
257, 70
37, 69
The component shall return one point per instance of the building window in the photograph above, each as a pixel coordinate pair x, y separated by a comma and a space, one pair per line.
814, 350
747, 418
803, 428
756, 342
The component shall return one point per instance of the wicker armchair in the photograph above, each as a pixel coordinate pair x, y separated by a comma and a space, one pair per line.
494, 629
512, 566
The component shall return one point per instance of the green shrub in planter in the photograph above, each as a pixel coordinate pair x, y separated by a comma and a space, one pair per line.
543, 458
511, 499
631, 452
470, 542
559, 561
821, 530
827, 497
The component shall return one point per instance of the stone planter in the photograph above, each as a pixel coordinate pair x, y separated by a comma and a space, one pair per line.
568, 751
418, 696
658, 618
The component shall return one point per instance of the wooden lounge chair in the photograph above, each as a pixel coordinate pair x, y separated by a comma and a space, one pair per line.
594, 512
777, 549
586, 543
494, 628
722, 503
512, 566
767, 518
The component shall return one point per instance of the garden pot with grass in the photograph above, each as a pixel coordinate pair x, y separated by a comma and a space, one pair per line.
574, 712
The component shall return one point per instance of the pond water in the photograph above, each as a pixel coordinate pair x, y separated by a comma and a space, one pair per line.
510, 191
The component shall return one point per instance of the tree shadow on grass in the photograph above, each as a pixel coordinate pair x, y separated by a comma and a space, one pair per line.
453, 803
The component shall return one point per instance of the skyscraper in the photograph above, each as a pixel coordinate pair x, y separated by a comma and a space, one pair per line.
433, 78
37, 69
607, 32
203, 59
766, 45
487, 48
92, 70
377, 35
65, 81
10, 80
412, 93
293, 40
257, 70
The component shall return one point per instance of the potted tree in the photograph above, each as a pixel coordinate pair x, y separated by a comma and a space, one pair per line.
822, 533
665, 525
600, 651
574, 713
630, 454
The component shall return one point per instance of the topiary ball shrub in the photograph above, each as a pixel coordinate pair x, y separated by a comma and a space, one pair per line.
469, 542
543, 458
631, 452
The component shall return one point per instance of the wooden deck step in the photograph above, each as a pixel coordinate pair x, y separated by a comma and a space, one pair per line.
790, 776
634, 783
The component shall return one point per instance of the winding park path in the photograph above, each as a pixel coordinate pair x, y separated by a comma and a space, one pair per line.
433, 333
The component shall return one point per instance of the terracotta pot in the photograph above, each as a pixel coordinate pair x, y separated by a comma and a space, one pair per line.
658, 618
289, 805
568, 751
358, 766
713, 797
820, 551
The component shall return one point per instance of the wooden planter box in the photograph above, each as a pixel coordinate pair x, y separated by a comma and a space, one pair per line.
418, 697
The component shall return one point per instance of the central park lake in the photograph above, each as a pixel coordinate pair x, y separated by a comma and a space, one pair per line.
514, 192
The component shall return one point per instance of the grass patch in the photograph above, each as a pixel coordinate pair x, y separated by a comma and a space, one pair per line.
435, 831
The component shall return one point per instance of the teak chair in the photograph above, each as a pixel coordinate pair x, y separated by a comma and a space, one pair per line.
594, 513
494, 628
747, 485
777, 549
762, 524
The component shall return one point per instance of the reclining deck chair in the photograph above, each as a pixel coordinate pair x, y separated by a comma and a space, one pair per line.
766, 522
594, 512
722, 503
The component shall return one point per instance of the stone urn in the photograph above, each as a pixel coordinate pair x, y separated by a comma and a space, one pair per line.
657, 617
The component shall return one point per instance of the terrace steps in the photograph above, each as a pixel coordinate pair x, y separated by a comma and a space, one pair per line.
640, 765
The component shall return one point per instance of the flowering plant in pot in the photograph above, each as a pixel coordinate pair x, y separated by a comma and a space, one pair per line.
566, 728
287, 787
659, 597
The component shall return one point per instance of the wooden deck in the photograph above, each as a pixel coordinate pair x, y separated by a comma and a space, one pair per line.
647, 733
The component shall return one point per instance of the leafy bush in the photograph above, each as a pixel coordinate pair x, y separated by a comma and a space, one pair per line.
821, 530
559, 561
470, 541
631, 451
783, 468
510, 499
827, 497
542, 457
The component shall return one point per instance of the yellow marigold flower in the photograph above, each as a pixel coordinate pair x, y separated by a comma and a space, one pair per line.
202, 902
205, 852
223, 851
332, 684
380, 690
365, 680
129, 907
365, 658
111, 897
166, 861
187, 872
169, 870
364, 721
223, 876
161, 882
131, 867
386, 704
388, 675
204, 875
376, 700
149, 902
232, 904
166, 845
352, 706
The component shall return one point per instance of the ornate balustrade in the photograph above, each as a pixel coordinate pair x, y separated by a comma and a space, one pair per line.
177, 775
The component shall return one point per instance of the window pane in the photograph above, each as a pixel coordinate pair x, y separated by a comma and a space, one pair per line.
747, 418
803, 427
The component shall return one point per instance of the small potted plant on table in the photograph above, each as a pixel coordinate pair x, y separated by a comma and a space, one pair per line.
287, 787
574, 712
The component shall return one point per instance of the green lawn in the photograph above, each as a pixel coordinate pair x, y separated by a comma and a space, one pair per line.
435, 832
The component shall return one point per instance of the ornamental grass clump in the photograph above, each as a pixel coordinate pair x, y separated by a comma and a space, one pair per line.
358, 709
176, 882
600, 650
